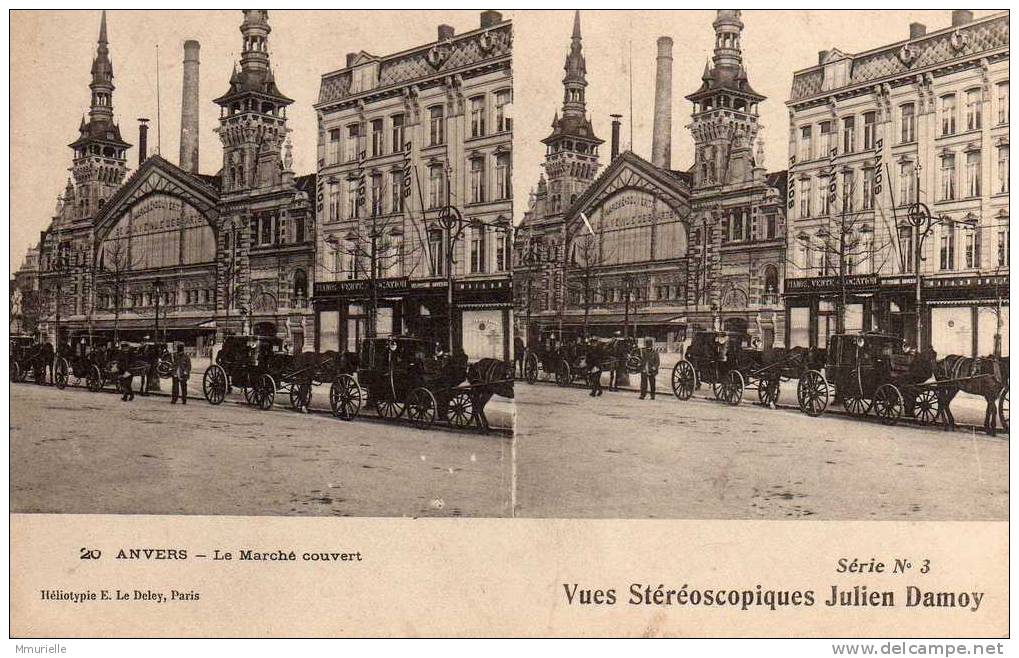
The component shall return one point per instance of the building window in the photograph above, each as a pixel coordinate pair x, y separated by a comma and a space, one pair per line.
504, 176
396, 190
477, 249
806, 150
478, 116
948, 110
868, 189
973, 173
849, 134
771, 224
398, 137
351, 148
974, 109
948, 177
906, 244
805, 197
437, 126
907, 117
377, 203
1002, 102
299, 228
827, 138
503, 121
436, 187
907, 183
848, 191
502, 252
477, 180
334, 203
1003, 169
352, 200
436, 253
1003, 235
869, 130
378, 138
823, 198
265, 235
334, 146
948, 247
973, 249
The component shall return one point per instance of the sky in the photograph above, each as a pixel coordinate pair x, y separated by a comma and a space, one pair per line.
775, 45
52, 51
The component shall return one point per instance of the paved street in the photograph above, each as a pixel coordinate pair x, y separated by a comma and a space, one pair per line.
617, 456
81, 452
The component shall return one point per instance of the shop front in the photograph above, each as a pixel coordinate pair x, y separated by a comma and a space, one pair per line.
967, 315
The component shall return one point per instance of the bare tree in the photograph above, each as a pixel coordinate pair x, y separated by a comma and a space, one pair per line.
114, 270
582, 272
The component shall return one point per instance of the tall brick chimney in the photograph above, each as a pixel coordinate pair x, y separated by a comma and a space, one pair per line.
445, 32
490, 18
917, 30
189, 109
961, 16
615, 134
143, 140
661, 138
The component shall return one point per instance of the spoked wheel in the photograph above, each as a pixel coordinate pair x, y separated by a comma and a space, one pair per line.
1003, 408
214, 384
345, 397
249, 394
94, 379
421, 407
265, 392
461, 409
531, 368
390, 409
768, 390
888, 403
856, 406
684, 379
563, 374
732, 387
812, 393
60, 370
300, 396
927, 406
15, 371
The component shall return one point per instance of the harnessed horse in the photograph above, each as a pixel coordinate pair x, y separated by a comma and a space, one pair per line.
986, 376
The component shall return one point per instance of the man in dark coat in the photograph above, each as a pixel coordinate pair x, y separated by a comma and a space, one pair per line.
180, 374
650, 362
124, 374
518, 354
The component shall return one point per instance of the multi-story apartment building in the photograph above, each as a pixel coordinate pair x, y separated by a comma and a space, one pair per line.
406, 142
923, 120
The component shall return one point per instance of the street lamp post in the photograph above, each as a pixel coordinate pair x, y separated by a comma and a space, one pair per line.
157, 286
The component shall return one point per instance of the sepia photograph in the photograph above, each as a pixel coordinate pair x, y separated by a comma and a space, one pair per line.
762, 268
317, 266
511, 322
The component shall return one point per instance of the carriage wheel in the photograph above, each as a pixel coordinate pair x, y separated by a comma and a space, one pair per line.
15, 371
856, 406
421, 407
60, 370
733, 389
94, 379
345, 397
300, 396
812, 393
249, 394
888, 404
214, 384
265, 392
1003, 408
461, 409
531, 369
164, 367
390, 409
768, 390
684, 379
927, 406
563, 374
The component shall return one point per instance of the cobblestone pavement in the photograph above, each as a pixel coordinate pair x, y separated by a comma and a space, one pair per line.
81, 452
618, 456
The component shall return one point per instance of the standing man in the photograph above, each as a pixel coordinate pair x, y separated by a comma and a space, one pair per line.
124, 374
649, 364
180, 375
518, 354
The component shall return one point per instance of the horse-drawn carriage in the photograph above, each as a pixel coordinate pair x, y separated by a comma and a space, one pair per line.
26, 357
731, 364
545, 357
149, 361
571, 360
89, 362
261, 368
404, 376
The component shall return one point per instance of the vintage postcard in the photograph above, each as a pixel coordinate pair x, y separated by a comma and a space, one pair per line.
510, 323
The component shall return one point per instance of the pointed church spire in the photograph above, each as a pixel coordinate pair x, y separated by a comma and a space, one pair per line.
102, 77
102, 29
576, 74
576, 24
